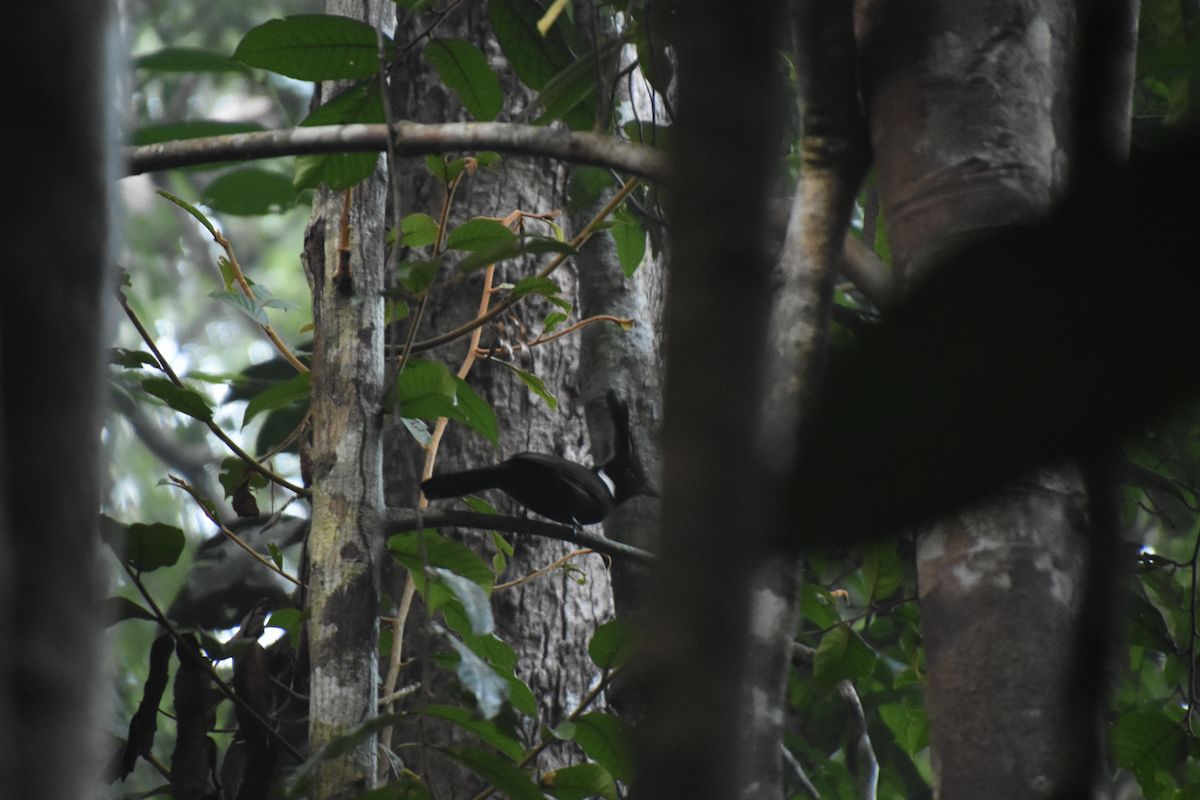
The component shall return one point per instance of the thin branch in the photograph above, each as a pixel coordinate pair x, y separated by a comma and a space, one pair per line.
401, 520
503, 306
212, 426
868, 766
411, 139
624, 322
539, 572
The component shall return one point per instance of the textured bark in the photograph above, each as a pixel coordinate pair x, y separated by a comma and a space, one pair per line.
58, 58
968, 107
835, 155
344, 545
729, 123
549, 620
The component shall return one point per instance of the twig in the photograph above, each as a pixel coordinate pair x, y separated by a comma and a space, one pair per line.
543, 570
212, 426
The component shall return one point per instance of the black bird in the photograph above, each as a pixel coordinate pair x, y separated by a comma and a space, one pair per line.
554, 487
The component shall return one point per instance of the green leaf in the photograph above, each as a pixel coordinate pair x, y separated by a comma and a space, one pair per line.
198, 129
278, 396
585, 187
535, 58
427, 390
1145, 741
290, 620
463, 68
535, 385
580, 781
191, 209
648, 133
184, 401
511, 249
148, 547
882, 571
486, 730
417, 276
276, 554
474, 599
535, 285
818, 606
489, 688
250, 192
631, 242
131, 359
419, 230
118, 609
441, 552
1146, 626
357, 105
552, 320
242, 302
613, 644
843, 654
441, 170
314, 47
478, 234
498, 772
605, 739
652, 57
486, 158
478, 415
188, 59
908, 722
571, 94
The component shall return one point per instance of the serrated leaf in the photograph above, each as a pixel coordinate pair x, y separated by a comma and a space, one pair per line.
605, 739
188, 59
419, 230
478, 234
579, 781
314, 47
235, 299
489, 688
184, 401
118, 609
463, 68
278, 396
613, 644
485, 729
843, 654
498, 772
426, 390
250, 192
148, 547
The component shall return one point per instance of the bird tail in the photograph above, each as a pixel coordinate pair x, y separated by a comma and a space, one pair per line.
456, 484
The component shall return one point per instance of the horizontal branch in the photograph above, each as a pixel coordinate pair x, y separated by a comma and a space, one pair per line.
411, 139
401, 520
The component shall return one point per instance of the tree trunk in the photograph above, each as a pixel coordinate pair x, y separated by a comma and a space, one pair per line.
968, 110
57, 291
344, 546
549, 620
